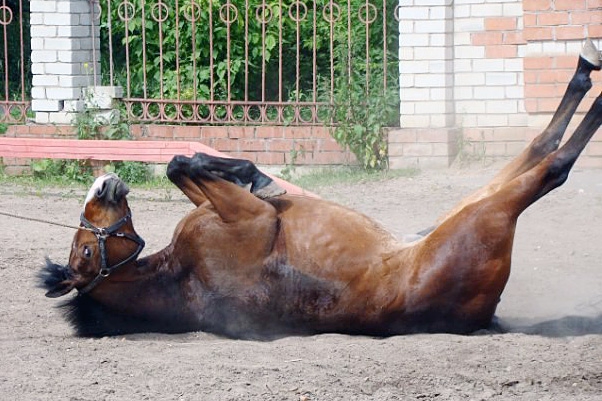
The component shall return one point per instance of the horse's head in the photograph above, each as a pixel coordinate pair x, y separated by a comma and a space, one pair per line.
105, 241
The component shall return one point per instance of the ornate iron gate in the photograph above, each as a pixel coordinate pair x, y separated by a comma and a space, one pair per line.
15, 73
247, 61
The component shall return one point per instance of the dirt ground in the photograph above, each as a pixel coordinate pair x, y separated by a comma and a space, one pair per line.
552, 307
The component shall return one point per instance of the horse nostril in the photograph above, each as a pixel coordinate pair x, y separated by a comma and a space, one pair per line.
102, 191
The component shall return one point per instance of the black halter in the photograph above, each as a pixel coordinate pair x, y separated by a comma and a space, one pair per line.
102, 234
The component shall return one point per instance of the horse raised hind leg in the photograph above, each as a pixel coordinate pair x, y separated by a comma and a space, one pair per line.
465, 261
549, 140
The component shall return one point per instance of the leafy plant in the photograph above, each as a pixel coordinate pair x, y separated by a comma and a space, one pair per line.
88, 125
287, 172
131, 172
76, 171
362, 104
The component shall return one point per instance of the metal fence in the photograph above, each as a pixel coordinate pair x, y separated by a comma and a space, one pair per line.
15, 72
247, 61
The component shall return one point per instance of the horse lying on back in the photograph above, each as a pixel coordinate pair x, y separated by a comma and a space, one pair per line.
252, 262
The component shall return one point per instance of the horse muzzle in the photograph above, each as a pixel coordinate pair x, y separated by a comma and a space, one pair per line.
112, 189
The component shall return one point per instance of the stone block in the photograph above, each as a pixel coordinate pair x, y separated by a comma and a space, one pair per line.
37, 43
55, 19
61, 44
69, 31
63, 93
46, 105
75, 81
101, 97
42, 6
73, 7
45, 80
63, 68
41, 117
62, 117
43, 56
75, 56
74, 106
399, 162
38, 92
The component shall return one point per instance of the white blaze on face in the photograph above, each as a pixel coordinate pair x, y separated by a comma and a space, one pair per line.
96, 186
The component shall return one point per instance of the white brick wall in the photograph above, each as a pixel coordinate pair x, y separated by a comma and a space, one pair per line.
438, 52
62, 57
426, 66
457, 73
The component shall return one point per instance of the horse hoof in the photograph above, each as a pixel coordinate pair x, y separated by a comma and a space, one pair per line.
269, 191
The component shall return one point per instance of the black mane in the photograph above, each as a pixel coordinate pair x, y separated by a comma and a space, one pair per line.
90, 318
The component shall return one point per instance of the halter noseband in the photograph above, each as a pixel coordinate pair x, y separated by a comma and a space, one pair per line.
102, 233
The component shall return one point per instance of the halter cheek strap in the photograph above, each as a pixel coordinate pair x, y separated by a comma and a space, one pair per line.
102, 233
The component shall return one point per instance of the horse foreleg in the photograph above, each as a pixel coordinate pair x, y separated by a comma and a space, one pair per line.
231, 202
177, 172
549, 140
240, 172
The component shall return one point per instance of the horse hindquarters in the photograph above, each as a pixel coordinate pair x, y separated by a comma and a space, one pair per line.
465, 262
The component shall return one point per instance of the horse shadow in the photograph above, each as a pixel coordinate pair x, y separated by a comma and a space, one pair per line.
566, 326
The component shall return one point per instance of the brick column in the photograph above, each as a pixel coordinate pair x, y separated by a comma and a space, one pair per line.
62, 58
426, 137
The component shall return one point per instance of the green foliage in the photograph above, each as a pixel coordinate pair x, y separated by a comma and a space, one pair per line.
287, 172
71, 171
361, 121
362, 104
131, 172
88, 125
80, 171
180, 59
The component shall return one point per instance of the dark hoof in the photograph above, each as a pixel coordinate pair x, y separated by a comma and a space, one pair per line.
592, 55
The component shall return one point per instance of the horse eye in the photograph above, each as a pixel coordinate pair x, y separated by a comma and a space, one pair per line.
87, 252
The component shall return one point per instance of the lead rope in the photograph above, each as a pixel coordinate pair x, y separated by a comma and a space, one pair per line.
16, 216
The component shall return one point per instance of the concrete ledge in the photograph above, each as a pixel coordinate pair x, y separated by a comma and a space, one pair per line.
145, 151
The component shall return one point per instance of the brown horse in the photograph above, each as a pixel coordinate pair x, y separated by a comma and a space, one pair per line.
258, 264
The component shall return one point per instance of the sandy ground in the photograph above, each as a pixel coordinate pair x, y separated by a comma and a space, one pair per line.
552, 307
